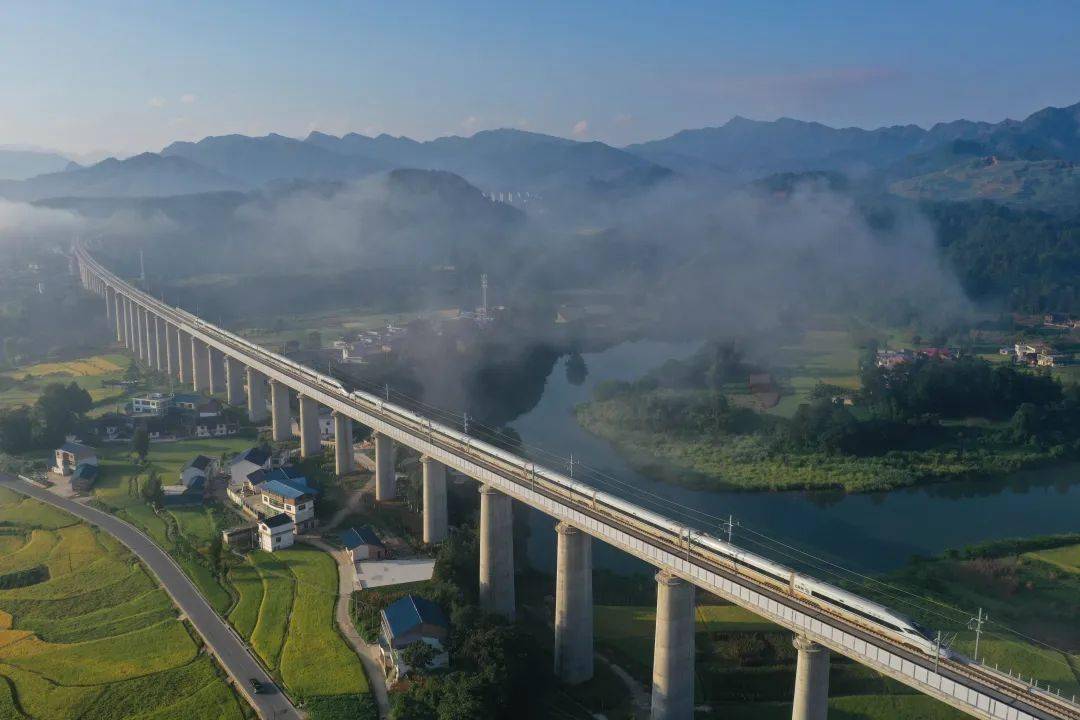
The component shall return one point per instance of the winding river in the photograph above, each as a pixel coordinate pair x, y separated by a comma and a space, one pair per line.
866, 532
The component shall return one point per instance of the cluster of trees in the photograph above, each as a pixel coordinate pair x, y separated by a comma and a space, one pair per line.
497, 668
1028, 258
58, 411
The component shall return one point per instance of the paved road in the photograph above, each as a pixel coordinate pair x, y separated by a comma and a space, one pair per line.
219, 637
369, 654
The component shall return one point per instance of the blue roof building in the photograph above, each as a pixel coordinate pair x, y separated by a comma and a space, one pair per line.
411, 619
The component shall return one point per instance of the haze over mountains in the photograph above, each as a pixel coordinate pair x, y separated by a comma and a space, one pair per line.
739, 151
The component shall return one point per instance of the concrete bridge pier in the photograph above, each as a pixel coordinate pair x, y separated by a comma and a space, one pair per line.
385, 477
573, 605
137, 326
310, 436
159, 344
171, 368
200, 366
435, 520
343, 444
148, 334
811, 681
183, 356
215, 360
496, 552
234, 381
256, 395
673, 649
127, 324
118, 313
108, 303
281, 415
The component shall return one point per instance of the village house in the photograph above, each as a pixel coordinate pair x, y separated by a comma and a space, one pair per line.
181, 495
156, 404
200, 466
276, 532
214, 426
84, 476
326, 425
292, 497
72, 454
411, 619
242, 537
247, 462
362, 544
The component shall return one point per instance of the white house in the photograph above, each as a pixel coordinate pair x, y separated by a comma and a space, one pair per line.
247, 462
151, 404
292, 497
411, 619
72, 454
276, 532
198, 467
362, 544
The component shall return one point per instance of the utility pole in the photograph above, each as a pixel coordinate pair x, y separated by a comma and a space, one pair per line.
976, 624
730, 527
937, 650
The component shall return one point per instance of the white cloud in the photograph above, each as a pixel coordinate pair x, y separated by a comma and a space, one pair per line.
580, 128
188, 98
156, 102
470, 123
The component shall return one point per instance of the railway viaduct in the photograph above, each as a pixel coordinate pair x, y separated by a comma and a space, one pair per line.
211, 359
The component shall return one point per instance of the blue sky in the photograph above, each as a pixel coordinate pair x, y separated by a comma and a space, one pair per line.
127, 76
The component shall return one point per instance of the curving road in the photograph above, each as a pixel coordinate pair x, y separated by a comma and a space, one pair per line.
222, 641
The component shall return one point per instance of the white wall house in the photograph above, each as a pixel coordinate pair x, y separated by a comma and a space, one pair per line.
276, 533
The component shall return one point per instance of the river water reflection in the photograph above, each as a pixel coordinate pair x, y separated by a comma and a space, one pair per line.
869, 532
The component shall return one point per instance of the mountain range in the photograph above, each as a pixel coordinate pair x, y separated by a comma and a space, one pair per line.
560, 169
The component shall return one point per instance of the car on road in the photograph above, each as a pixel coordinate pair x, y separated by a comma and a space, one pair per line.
256, 686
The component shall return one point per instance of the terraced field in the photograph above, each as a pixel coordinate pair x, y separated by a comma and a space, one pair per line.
86, 632
286, 611
90, 372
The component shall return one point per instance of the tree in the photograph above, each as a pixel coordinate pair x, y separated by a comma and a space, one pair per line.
16, 430
576, 370
132, 373
418, 656
313, 340
140, 443
60, 407
151, 488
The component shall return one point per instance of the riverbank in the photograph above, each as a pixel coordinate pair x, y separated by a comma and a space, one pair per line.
749, 462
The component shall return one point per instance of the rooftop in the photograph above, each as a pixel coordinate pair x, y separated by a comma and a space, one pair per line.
199, 462
410, 611
274, 521
256, 455
292, 489
355, 537
77, 448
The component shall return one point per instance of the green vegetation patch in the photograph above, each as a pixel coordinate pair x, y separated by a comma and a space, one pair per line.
249, 587
273, 622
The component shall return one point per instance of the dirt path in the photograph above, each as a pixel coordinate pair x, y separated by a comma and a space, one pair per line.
369, 654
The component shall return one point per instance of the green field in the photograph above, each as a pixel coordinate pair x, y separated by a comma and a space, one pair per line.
95, 637
185, 532
286, 611
89, 372
820, 356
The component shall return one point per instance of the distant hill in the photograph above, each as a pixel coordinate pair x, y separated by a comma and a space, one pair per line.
1050, 185
23, 164
146, 175
504, 160
259, 160
752, 148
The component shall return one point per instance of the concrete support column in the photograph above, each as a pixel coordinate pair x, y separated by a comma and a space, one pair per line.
234, 381
435, 523
137, 326
673, 650
148, 336
496, 552
280, 412
343, 445
200, 366
256, 395
129, 329
118, 311
385, 475
171, 368
160, 333
183, 356
811, 681
310, 435
215, 361
573, 605
108, 303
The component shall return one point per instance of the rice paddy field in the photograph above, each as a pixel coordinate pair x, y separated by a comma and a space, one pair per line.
89, 634
22, 385
285, 609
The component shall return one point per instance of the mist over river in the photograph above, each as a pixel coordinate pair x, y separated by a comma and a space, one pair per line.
873, 532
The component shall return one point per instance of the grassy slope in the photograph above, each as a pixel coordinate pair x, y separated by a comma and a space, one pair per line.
98, 639
90, 372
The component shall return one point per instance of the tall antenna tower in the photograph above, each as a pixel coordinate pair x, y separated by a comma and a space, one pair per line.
483, 297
